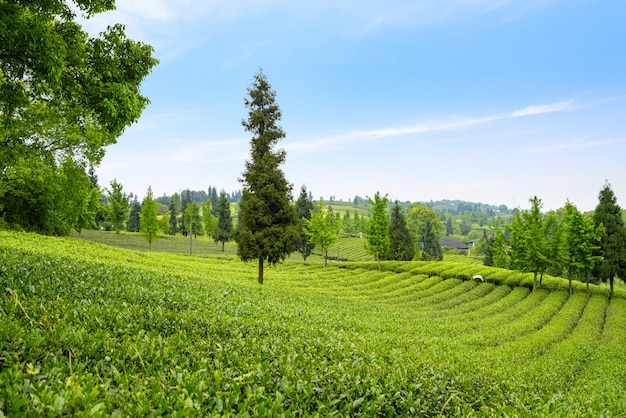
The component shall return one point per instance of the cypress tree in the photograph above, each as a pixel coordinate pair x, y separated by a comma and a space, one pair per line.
613, 243
268, 230
304, 206
224, 229
400, 241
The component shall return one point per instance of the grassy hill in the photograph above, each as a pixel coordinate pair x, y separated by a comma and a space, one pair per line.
91, 329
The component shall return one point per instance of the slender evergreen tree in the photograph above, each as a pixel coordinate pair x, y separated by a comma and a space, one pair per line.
613, 244
429, 233
223, 231
268, 230
304, 206
134, 218
400, 241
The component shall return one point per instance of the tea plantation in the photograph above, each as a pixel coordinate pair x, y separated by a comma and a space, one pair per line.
89, 329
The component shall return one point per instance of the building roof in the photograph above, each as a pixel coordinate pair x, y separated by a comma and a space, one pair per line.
453, 243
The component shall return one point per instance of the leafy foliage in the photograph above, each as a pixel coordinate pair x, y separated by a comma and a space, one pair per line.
377, 243
64, 97
322, 228
149, 226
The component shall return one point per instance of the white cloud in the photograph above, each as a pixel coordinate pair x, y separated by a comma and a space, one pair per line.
541, 109
576, 144
447, 124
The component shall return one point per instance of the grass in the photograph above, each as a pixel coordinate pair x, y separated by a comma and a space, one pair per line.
90, 329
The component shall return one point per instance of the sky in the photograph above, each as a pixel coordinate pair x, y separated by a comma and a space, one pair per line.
490, 101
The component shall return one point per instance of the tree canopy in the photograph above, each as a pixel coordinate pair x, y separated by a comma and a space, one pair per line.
149, 224
322, 228
64, 96
377, 243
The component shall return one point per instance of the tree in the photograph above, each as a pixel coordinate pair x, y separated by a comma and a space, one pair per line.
268, 229
429, 233
613, 243
118, 205
377, 243
86, 217
304, 206
149, 222
322, 228
63, 96
134, 218
224, 229
529, 241
449, 229
210, 221
192, 215
185, 200
582, 242
500, 249
401, 245
426, 227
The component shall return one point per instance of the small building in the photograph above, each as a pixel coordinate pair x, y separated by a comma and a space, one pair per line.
453, 244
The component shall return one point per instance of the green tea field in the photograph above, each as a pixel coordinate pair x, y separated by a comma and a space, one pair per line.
95, 330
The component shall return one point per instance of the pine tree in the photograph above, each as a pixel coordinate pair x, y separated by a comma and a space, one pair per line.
134, 220
268, 229
613, 244
223, 231
431, 249
303, 211
400, 240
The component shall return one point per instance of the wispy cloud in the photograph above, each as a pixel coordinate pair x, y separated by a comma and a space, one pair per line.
442, 125
541, 109
575, 144
441, 12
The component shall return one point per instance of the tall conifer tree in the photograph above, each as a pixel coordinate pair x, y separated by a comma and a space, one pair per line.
613, 243
268, 230
223, 231
400, 240
304, 206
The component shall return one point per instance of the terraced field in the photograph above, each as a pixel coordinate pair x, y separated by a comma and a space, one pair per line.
90, 329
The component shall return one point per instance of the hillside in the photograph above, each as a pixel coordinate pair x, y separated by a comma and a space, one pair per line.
91, 329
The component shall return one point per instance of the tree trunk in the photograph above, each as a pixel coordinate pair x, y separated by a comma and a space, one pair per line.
535, 281
378, 260
223, 243
611, 293
569, 278
260, 270
325, 257
587, 281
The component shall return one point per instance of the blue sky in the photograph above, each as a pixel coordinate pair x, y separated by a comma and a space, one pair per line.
491, 101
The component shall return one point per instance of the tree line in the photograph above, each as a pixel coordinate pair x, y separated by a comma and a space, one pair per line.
564, 242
